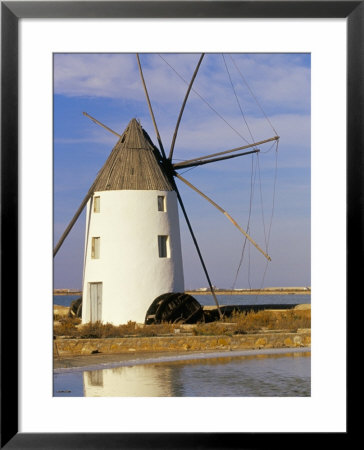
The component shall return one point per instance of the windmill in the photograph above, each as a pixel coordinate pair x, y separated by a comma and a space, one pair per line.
132, 260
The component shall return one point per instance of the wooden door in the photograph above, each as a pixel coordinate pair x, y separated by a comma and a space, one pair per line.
95, 301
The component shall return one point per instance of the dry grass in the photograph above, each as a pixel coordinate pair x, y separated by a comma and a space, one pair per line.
237, 323
243, 323
66, 326
71, 327
272, 320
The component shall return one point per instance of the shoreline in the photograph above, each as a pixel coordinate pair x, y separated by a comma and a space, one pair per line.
252, 292
266, 291
97, 362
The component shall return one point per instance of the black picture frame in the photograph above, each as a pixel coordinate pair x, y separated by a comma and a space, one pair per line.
11, 12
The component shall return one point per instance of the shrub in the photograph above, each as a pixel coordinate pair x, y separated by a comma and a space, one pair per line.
67, 327
242, 323
157, 329
98, 330
212, 329
107, 330
272, 320
237, 323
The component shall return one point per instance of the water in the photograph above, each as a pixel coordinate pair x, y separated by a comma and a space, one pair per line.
277, 373
64, 300
205, 300
265, 299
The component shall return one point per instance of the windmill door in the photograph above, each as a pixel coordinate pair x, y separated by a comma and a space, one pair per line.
95, 301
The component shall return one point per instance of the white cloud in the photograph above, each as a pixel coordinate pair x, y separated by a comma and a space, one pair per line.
96, 75
210, 134
275, 81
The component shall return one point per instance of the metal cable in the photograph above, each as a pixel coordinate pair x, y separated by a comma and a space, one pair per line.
261, 203
237, 99
252, 182
191, 168
274, 191
205, 101
271, 218
252, 94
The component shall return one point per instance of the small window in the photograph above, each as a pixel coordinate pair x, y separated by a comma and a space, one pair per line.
163, 246
161, 203
96, 204
95, 248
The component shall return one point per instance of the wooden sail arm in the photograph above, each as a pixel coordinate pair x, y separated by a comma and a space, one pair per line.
150, 108
74, 219
200, 163
226, 214
254, 144
183, 106
101, 124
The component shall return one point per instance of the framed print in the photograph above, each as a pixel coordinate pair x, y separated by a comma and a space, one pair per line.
32, 33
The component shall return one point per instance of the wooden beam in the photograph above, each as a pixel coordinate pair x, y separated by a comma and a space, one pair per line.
200, 163
183, 107
254, 144
150, 107
197, 247
74, 219
226, 214
101, 124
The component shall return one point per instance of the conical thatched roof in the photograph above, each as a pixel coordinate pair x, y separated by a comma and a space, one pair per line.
132, 164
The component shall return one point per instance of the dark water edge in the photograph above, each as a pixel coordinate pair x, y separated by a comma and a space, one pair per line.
207, 300
64, 300
265, 299
283, 373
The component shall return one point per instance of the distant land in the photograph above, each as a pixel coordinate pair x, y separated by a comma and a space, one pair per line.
66, 292
206, 291
264, 291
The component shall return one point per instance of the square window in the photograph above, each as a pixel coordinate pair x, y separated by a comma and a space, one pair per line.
97, 204
95, 248
161, 203
163, 246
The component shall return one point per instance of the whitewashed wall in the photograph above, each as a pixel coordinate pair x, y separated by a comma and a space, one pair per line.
129, 267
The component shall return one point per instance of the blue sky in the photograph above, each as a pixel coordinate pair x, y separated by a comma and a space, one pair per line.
108, 87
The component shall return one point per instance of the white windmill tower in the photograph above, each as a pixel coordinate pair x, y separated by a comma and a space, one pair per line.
132, 245
133, 262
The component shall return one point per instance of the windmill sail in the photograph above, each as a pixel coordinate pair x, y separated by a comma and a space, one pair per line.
132, 240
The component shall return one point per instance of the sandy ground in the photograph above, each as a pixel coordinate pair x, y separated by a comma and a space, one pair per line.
95, 362
91, 360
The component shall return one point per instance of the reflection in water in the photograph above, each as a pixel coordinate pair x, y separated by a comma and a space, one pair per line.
135, 381
94, 378
284, 375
